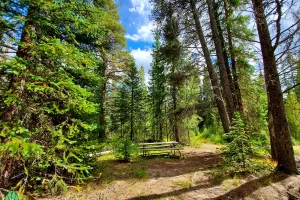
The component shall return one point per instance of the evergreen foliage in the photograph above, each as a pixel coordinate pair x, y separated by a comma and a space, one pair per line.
47, 105
67, 84
134, 87
238, 149
297, 89
125, 149
292, 107
130, 103
171, 52
142, 120
157, 91
11, 195
121, 104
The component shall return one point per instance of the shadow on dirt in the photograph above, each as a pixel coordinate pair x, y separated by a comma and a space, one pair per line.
189, 164
237, 193
156, 167
211, 182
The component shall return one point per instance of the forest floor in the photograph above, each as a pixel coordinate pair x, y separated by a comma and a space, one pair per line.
194, 176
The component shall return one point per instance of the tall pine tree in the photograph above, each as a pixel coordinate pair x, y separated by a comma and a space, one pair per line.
157, 90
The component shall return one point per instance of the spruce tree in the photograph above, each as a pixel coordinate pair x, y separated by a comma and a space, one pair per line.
172, 52
43, 120
143, 114
134, 87
121, 104
157, 90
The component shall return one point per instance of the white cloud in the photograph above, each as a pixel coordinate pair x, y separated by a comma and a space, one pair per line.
142, 57
144, 33
140, 6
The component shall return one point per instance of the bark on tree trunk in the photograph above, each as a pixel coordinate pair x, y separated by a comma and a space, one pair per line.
221, 63
283, 143
236, 86
102, 97
175, 117
224, 52
102, 119
166, 129
272, 135
160, 131
212, 74
11, 166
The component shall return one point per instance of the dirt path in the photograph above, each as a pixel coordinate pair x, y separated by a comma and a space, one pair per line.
188, 178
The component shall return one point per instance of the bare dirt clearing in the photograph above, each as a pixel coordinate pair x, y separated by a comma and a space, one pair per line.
191, 177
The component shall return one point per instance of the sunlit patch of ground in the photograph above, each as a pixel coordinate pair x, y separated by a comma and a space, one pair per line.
190, 177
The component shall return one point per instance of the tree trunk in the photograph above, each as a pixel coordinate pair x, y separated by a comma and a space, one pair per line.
212, 74
102, 96
102, 119
272, 135
160, 131
166, 129
236, 86
10, 165
221, 63
175, 117
224, 51
283, 143
131, 115
122, 130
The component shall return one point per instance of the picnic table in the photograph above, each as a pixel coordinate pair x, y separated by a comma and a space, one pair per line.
171, 147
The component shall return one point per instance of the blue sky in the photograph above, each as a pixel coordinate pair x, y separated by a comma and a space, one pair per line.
134, 16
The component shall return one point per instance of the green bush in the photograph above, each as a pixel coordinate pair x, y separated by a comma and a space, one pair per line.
213, 134
210, 131
125, 149
237, 149
216, 139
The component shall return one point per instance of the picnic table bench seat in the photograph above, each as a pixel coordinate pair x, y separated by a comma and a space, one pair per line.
171, 147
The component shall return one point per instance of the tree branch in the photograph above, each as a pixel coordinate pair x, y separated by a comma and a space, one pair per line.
288, 28
290, 88
278, 9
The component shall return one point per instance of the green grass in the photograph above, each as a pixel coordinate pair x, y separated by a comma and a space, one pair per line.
231, 183
107, 157
216, 139
296, 151
219, 176
197, 141
184, 184
261, 152
139, 173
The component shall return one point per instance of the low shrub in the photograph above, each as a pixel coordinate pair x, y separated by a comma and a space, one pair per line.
125, 149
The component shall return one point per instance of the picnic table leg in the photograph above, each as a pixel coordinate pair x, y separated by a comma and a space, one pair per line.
179, 153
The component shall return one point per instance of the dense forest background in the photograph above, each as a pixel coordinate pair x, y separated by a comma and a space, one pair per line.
68, 84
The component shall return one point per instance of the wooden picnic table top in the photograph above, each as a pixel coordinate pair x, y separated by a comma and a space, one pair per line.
148, 148
156, 146
157, 143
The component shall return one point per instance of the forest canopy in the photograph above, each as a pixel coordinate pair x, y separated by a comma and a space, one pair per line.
69, 85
